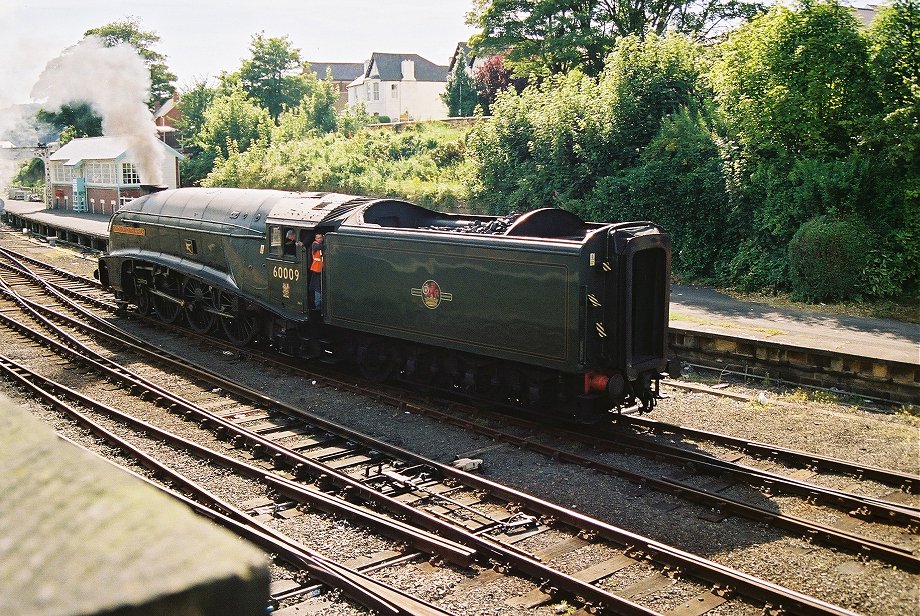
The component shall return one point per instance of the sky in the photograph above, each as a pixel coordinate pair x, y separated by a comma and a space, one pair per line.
202, 38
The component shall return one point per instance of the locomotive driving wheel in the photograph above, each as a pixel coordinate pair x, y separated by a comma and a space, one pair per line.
142, 298
199, 303
239, 324
168, 310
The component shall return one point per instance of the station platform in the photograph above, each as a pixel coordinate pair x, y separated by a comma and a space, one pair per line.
82, 228
707, 310
693, 309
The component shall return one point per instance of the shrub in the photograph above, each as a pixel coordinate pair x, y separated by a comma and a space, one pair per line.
827, 257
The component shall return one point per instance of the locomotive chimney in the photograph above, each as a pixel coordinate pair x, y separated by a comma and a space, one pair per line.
149, 189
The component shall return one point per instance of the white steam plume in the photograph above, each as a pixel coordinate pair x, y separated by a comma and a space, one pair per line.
115, 82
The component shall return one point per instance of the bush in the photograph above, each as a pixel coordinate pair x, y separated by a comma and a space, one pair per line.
827, 257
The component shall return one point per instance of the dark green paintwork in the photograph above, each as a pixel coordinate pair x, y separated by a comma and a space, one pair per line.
510, 299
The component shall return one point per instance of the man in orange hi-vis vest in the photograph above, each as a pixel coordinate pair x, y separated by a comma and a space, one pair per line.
316, 270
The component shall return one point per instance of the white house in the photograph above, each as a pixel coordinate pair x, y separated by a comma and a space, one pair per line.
400, 86
98, 174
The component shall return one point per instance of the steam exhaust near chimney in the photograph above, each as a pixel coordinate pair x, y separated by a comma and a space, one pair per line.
149, 189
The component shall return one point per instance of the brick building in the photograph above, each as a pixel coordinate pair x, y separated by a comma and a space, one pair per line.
98, 175
166, 118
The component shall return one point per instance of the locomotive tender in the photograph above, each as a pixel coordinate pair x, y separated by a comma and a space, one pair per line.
547, 313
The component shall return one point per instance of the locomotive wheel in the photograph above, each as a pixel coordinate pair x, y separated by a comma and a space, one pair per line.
167, 310
241, 328
198, 297
374, 360
142, 298
487, 381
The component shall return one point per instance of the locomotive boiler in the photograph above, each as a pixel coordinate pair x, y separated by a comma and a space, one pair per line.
542, 311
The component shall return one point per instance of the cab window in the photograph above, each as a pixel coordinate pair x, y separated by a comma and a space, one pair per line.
275, 241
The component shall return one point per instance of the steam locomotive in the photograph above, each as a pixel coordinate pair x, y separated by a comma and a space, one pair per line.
542, 311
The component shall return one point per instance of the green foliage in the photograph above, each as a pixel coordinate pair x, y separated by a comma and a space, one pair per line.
551, 144
550, 37
678, 182
461, 94
29, 173
274, 75
233, 123
77, 120
895, 48
827, 257
129, 31
796, 82
314, 115
193, 169
352, 120
192, 105
419, 163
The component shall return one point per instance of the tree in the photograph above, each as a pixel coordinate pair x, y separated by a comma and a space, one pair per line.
274, 74
555, 141
233, 122
77, 120
546, 37
491, 77
895, 47
797, 82
129, 31
460, 96
192, 105
314, 116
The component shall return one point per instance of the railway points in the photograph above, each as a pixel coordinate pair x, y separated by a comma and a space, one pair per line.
663, 585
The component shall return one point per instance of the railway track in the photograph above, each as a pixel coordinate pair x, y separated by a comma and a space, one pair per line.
496, 522
410, 481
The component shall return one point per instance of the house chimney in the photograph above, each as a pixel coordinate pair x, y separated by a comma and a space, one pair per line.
408, 70
367, 65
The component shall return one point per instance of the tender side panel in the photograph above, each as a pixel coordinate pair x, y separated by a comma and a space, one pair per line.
498, 301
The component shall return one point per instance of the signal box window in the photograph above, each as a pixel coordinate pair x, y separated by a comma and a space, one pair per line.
129, 174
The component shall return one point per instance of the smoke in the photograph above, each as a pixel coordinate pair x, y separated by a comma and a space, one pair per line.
17, 126
115, 82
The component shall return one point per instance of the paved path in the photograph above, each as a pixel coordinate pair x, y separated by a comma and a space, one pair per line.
703, 309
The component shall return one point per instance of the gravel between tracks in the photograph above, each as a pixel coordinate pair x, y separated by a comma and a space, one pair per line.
828, 427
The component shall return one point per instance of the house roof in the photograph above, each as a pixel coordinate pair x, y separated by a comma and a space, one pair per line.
99, 148
165, 108
389, 67
341, 71
464, 49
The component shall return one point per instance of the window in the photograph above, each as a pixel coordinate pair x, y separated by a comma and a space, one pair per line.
394, 91
275, 244
129, 174
376, 91
99, 173
61, 173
